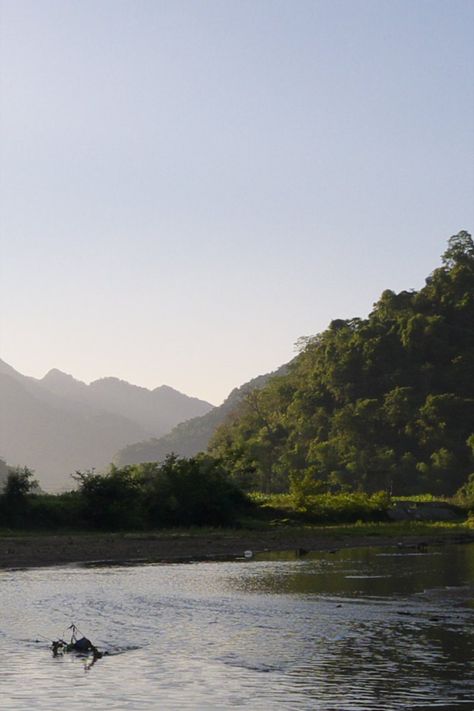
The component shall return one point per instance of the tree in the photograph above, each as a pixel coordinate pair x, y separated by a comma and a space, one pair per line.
110, 501
14, 502
460, 250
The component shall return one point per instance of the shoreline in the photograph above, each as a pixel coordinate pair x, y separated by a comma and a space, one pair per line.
44, 550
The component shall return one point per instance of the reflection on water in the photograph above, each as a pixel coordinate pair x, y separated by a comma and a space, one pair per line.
353, 629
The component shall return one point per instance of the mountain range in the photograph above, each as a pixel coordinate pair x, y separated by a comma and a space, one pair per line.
57, 425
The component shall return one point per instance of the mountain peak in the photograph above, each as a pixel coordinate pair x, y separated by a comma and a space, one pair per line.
112, 383
55, 374
6, 369
62, 383
165, 389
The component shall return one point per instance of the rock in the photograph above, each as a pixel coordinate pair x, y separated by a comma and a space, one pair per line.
423, 511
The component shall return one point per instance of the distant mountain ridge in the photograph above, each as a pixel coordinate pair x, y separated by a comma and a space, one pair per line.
189, 438
57, 424
157, 410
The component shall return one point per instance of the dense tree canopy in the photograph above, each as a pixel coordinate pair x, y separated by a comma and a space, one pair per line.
385, 402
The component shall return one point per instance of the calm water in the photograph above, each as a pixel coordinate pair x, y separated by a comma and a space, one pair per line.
357, 629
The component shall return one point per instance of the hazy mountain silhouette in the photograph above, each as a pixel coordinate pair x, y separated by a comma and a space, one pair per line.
58, 424
157, 411
191, 437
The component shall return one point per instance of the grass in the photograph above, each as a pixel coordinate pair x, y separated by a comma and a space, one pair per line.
420, 498
359, 529
396, 529
350, 514
323, 508
387, 529
286, 501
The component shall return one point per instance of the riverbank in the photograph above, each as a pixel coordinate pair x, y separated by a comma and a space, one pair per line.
32, 549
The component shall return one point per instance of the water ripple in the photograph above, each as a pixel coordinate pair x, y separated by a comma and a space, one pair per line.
359, 630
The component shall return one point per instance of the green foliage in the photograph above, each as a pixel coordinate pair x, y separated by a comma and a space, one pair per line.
460, 249
326, 508
465, 495
4, 470
422, 498
195, 491
19, 483
355, 506
179, 492
56, 511
15, 499
382, 403
110, 501
189, 437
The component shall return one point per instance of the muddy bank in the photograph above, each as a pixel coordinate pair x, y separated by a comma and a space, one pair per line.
45, 550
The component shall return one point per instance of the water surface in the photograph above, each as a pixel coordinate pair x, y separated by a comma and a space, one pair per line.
355, 629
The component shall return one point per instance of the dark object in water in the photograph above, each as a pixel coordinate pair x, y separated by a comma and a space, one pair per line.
81, 645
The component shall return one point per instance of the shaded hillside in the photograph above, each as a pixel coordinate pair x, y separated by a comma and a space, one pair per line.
58, 424
191, 437
385, 402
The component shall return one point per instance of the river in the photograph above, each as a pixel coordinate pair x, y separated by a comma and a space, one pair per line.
354, 629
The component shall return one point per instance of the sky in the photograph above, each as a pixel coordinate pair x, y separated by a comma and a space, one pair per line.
189, 186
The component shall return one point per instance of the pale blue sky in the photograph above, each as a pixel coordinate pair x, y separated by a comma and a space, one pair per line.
189, 186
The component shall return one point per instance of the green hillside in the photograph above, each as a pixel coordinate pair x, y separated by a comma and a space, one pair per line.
385, 402
192, 436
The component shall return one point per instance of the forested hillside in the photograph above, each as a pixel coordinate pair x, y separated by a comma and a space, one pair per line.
385, 402
190, 437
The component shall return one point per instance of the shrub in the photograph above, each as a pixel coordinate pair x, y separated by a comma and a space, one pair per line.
464, 496
15, 499
178, 492
110, 501
187, 492
347, 507
49, 511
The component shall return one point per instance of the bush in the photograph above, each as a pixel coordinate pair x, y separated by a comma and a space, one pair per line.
49, 511
464, 497
189, 492
348, 507
325, 508
110, 501
178, 492
15, 499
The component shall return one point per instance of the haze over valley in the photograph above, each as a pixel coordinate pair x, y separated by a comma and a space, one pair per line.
57, 424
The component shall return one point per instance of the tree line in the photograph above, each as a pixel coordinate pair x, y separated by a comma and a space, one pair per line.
177, 492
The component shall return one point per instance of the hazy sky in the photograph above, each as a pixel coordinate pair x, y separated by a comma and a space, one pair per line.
189, 186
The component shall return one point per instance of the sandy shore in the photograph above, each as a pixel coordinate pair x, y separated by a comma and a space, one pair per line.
46, 550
